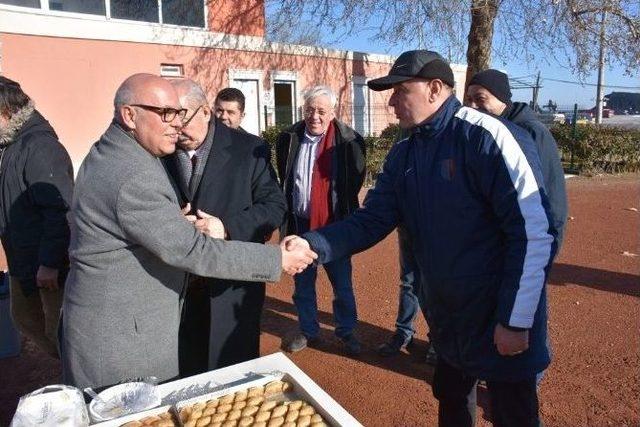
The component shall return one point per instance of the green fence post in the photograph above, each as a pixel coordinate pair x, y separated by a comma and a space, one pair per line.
574, 132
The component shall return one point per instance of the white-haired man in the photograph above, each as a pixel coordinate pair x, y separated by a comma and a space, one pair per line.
227, 173
321, 164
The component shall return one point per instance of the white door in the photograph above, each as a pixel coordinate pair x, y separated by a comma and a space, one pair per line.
249, 87
361, 108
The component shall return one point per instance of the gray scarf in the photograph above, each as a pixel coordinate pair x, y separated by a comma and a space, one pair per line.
17, 120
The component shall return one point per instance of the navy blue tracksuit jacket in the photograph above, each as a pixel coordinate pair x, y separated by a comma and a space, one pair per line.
468, 188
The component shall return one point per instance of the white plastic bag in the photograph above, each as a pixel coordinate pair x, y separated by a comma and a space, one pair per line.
51, 406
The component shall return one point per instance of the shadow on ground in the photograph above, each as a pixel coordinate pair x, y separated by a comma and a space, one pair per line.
603, 280
278, 319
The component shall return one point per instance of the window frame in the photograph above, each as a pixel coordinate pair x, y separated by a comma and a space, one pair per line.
45, 10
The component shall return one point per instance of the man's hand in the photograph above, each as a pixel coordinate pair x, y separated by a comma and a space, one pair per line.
296, 254
185, 211
293, 242
210, 225
47, 277
510, 343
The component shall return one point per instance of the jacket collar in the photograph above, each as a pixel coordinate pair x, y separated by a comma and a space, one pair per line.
116, 134
440, 119
216, 154
518, 112
16, 122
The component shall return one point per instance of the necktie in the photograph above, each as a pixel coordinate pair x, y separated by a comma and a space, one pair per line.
192, 179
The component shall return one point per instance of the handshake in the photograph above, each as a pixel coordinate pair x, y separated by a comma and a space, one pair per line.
296, 254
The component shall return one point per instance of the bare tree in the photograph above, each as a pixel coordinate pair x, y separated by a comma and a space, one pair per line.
483, 17
569, 31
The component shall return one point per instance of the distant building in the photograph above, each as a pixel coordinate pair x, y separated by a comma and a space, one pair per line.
71, 55
623, 102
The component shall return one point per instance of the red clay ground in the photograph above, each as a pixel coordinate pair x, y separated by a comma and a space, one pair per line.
594, 294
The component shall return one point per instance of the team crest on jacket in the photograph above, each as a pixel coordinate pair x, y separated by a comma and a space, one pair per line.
447, 169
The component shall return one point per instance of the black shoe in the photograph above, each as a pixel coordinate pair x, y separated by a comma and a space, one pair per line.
351, 345
432, 356
394, 345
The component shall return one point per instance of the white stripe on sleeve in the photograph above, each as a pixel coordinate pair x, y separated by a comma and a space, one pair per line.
536, 224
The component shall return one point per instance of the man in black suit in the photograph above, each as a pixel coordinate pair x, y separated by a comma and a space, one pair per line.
226, 177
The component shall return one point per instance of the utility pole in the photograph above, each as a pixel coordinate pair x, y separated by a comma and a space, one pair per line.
536, 90
600, 93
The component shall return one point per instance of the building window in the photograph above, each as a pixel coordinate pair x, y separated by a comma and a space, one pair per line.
284, 102
25, 3
171, 70
94, 7
188, 13
135, 10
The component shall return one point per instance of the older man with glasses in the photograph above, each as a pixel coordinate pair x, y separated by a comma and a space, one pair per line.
131, 245
227, 173
321, 164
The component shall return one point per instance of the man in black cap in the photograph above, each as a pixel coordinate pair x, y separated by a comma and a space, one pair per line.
465, 187
489, 91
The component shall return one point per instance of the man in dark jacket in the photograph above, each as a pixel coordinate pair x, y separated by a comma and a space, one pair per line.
489, 91
36, 184
225, 173
321, 164
468, 188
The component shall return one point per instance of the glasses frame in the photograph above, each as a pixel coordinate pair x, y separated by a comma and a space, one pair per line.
167, 114
309, 112
185, 121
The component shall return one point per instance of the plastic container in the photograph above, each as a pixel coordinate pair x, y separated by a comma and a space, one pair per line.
52, 406
124, 399
9, 336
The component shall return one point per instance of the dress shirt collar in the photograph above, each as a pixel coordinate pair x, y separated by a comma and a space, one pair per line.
311, 138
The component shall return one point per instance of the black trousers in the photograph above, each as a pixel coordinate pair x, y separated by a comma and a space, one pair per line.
220, 325
513, 404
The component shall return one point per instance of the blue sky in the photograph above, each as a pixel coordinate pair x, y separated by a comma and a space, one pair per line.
565, 95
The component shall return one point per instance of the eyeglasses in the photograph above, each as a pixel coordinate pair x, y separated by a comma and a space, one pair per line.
186, 122
167, 114
309, 111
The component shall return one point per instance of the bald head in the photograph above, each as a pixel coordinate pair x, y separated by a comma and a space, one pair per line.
141, 88
148, 106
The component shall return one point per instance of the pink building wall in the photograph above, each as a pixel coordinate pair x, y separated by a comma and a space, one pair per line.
237, 17
73, 80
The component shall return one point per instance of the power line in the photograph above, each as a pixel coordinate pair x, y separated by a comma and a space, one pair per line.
592, 84
522, 77
522, 83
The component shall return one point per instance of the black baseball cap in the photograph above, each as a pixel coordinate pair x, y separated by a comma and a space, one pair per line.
415, 64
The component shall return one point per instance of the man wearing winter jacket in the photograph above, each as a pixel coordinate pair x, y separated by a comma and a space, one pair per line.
36, 185
468, 188
489, 91
321, 164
